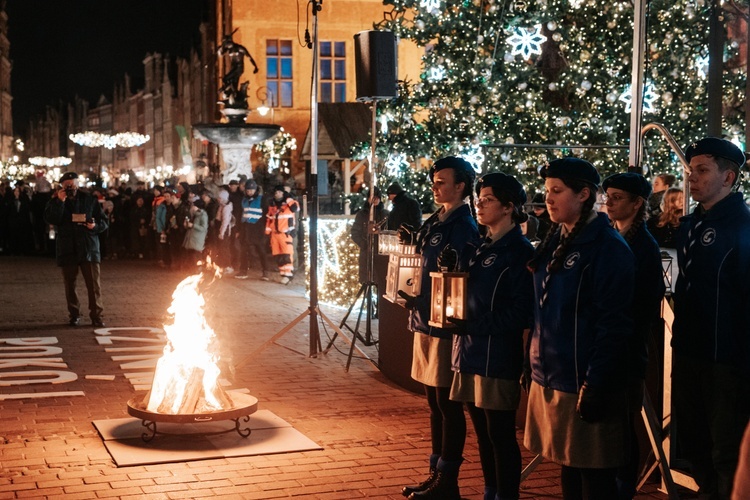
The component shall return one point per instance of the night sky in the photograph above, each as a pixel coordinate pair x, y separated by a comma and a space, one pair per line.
63, 48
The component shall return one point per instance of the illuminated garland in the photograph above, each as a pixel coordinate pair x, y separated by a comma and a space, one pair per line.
274, 149
121, 140
43, 161
338, 261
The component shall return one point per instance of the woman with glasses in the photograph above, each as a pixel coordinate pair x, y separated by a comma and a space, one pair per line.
583, 283
488, 345
450, 228
626, 200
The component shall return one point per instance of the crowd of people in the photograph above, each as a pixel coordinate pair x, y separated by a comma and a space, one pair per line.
174, 226
586, 298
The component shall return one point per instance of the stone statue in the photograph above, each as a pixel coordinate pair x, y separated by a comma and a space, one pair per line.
235, 95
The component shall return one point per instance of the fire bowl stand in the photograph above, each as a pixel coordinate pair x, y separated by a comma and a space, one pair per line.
244, 406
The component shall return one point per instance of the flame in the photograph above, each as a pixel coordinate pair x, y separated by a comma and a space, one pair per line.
186, 376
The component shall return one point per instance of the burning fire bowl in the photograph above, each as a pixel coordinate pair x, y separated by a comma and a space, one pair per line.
243, 406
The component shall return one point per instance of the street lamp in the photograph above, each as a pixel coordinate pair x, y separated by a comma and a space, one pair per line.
263, 93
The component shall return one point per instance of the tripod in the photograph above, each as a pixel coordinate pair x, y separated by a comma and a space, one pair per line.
365, 296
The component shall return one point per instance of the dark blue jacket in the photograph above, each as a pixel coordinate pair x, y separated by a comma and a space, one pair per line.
712, 316
581, 333
500, 297
75, 243
649, 292
457, 230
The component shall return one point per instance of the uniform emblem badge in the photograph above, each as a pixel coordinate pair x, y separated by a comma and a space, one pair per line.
571, 260
708, 237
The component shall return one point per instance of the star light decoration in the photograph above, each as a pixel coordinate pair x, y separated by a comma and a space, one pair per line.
527, 42
122, 140
649, 99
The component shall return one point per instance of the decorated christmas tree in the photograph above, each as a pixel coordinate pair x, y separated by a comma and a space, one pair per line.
549, 74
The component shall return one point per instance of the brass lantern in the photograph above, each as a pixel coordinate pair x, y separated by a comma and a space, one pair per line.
404, 273
448, 298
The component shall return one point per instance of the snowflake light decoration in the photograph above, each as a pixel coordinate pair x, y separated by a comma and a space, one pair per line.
649, 99
475, 156
701, 64
431, 6
436, 74
394, 163
527, 42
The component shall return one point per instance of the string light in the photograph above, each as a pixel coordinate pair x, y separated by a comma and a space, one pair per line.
96, 140
43, 161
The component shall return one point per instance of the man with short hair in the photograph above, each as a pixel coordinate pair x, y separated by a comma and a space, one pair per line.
711, 329
78, 220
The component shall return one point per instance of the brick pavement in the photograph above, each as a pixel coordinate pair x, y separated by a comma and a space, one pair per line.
374, 434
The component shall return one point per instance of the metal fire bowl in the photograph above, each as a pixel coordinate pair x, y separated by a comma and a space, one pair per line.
243, 405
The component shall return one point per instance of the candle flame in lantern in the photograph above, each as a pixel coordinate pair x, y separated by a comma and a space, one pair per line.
186, 376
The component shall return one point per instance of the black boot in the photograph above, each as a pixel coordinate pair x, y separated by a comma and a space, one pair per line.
445, 485
408, 490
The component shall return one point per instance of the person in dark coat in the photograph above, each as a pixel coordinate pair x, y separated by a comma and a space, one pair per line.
583, 283
405, 209
626, 200
359, 232
78, 220
488, 344
451, 227
710, 332
19, 222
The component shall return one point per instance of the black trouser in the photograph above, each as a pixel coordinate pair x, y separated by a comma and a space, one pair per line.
447, 423
253, 247
711, 405
588, 484
90, 273
498, 449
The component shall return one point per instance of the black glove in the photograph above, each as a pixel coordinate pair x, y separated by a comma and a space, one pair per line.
592, 404
406, 234
410, 300
448, 259
526, 378
461, 325
293, 233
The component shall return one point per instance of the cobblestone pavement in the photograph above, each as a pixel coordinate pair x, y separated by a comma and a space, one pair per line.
374, 434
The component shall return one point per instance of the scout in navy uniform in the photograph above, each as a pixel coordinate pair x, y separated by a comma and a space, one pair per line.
453, 224
488, 345
626, 201
583, 284
711, 329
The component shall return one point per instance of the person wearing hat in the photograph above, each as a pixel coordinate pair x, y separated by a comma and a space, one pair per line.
710, 332
488, 344
281, 227
78, 220
253, 244
451, 227
163, 212
404, 208
576, 370
626, 198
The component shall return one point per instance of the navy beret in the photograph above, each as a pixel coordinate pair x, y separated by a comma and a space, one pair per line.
454, 162
68, 176
716, 146
570, 168
629, 181
505, 183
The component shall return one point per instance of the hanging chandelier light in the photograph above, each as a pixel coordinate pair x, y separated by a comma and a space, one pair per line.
97, 140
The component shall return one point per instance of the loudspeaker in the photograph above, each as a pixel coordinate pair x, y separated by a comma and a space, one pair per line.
375, 58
